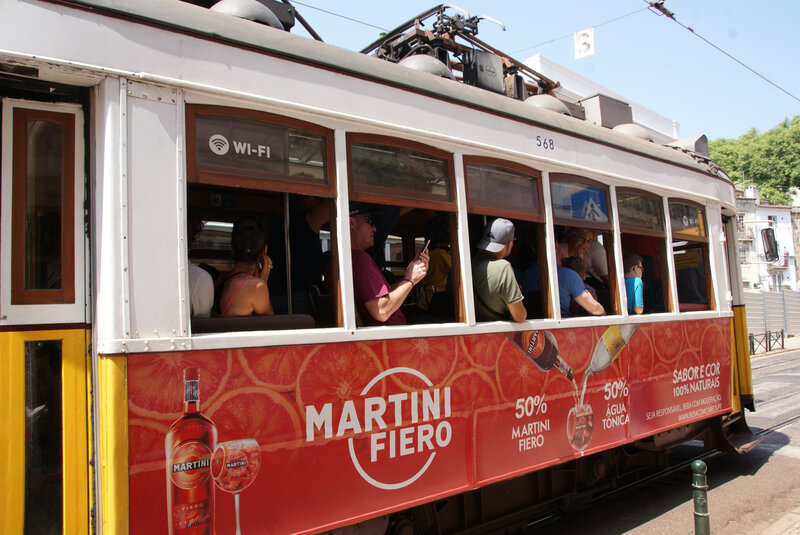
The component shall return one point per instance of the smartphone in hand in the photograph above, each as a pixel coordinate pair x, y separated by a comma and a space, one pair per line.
426, 247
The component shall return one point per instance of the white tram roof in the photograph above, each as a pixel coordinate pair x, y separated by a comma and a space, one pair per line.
199, 21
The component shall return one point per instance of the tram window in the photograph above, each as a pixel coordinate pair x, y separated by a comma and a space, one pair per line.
43, 433
502, 189
277, 172
402, 197
245, 148
380, 168
583, 228
310, 245
641, 219
42, 216
690, 252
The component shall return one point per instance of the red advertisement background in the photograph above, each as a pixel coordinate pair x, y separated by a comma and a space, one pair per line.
311, 485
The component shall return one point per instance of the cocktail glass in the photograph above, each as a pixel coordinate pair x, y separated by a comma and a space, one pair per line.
234, 466
580, 425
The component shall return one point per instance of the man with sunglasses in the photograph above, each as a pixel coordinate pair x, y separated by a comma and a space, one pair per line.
632, 264
378, 302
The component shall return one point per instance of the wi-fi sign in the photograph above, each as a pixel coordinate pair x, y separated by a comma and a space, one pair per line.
218, 144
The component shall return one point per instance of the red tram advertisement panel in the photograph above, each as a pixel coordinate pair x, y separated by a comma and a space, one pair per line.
306, 438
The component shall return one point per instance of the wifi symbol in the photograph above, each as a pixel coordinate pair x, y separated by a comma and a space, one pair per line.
218, 144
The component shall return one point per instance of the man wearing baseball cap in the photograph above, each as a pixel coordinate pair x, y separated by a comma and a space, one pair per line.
497, 293
378, 302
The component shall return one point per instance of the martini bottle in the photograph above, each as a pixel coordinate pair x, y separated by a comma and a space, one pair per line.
541, 348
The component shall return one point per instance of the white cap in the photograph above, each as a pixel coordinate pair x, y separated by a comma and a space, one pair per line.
496, 235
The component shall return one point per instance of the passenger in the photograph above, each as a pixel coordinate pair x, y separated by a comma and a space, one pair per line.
441, 263
497, 293
307, 261
632, 263
529, 275
570, 286
243, 290
201, 285
576, 264
653, 288
385, 219
376, 301
596, 260
575, 244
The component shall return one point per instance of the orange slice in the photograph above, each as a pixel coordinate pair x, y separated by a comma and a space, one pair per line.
693, 332
668, 341
435, 358
482, 349
638, 356
337, 373
575, 346
146, 440
471, 389
155, 381
256, 412
516, 375
274, 367
715, 346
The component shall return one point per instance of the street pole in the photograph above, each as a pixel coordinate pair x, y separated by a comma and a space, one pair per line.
700, 491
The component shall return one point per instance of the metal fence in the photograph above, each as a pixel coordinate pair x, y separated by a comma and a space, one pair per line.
773, 311
770, 317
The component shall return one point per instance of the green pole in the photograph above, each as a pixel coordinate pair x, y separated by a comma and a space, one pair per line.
700, 491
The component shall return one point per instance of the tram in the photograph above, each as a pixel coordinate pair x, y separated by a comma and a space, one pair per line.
135, 135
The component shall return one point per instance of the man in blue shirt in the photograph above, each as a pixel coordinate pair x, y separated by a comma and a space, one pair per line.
571, 286
632, 264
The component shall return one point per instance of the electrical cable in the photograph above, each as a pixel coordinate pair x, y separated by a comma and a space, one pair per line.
659, 6
340, 16
570, 36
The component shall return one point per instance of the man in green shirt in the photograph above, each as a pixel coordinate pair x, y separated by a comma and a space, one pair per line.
497, 294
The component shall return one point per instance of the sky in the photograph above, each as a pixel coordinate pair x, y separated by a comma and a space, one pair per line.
642, 55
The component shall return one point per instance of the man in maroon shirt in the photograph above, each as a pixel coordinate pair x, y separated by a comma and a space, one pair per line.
377, 302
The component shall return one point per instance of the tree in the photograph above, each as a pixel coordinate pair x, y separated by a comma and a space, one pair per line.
770, 160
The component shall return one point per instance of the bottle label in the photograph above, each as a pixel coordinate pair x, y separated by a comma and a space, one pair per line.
190, 464
192, 392
614, 341
189, 515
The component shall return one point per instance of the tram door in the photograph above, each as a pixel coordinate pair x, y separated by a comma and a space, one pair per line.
45, 437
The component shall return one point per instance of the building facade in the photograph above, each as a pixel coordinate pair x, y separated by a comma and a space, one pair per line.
754, 217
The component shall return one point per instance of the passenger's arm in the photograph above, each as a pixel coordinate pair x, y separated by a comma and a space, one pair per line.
638, 310
318, 215
589, 304
260, 300
381, 308
517, 311
260, 296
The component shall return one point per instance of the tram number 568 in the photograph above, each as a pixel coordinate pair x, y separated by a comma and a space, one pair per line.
546, 143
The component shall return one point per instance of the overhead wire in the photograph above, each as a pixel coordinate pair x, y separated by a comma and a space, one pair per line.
659, 6
340, 16
570, 36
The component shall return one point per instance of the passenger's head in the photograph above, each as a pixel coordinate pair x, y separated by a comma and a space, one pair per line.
631, 261
436, 231
362, 229
576, 241
248, 240
575, 263
498, 237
